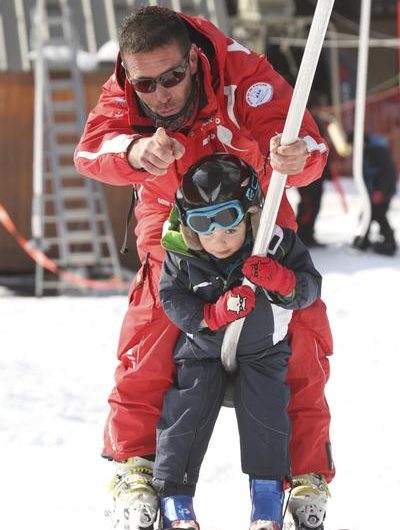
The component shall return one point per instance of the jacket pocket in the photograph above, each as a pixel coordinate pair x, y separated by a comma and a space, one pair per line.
144, 288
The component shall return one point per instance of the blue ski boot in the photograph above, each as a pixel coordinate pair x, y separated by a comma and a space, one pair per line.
177, 512
267, 502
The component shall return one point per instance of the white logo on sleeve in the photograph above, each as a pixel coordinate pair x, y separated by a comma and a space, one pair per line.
258, 94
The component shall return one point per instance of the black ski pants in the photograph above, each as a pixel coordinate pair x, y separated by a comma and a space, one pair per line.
191, 408
379, 214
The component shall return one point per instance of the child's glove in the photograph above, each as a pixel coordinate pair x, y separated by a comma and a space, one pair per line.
269, 274
232, 305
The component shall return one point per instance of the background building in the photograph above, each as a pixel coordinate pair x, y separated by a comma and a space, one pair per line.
278, 27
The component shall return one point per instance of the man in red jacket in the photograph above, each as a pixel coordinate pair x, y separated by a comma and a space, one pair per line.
182, 90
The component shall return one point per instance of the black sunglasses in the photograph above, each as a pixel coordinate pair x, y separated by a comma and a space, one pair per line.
168, 79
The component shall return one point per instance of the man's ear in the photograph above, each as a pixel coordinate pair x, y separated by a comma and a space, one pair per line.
193, 58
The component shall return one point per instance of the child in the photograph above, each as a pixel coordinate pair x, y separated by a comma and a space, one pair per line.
208, 245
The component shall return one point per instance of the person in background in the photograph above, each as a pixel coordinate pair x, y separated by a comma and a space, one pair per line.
208, 250
182, 90
309, 207
380, 178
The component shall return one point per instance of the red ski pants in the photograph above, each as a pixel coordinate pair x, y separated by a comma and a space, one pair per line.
146, 370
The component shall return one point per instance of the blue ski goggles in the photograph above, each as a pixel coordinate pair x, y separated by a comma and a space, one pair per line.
225, 215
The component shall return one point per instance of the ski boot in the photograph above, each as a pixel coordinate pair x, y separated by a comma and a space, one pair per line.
135, 503
177, 512
267, 501
308, 500
387, 245
361, 243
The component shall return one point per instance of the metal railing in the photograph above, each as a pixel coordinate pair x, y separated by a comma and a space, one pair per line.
96, 22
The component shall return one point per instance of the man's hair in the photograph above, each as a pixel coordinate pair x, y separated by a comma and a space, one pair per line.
151, 27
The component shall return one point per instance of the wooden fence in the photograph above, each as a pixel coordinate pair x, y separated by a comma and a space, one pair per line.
16, 140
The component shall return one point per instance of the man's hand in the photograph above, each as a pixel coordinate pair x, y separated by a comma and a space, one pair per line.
288, 159
232, 305
269, 274
156, 153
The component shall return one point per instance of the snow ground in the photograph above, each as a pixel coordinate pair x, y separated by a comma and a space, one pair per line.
56, 366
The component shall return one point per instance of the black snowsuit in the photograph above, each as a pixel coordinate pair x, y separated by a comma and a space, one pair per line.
188, 281
380, 175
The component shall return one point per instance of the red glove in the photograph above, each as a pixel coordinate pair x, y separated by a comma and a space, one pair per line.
377, 197
270, 274
232, 305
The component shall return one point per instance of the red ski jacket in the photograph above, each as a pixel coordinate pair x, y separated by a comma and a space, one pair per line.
246, 103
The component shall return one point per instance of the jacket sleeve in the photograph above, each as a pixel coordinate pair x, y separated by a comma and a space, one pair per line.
262, 101
102, 150
181, 306
287, 248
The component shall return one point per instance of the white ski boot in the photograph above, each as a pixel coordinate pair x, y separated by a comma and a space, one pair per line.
308, 500
135, 503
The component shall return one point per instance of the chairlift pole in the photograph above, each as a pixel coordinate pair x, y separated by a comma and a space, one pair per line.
290, 133
359, 118
37, 200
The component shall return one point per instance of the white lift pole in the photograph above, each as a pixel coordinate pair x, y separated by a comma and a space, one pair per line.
37, 193
359, 119
278, 180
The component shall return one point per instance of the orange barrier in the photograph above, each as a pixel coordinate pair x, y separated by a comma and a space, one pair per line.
44, 261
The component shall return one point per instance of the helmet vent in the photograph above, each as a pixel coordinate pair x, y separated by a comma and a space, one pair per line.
215, 193
203, 194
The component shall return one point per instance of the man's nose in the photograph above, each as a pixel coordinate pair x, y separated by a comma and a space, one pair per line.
162, 93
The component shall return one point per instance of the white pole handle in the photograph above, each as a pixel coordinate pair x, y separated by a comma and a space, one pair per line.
278, 180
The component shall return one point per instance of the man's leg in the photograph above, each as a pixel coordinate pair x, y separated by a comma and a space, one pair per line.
144, 374
311, 343
310, 448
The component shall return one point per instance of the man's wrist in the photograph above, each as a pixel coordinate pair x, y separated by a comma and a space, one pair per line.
130, 155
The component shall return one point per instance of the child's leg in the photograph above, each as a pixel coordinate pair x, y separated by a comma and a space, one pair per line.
267, 504
261, 399
177, 512
189, 413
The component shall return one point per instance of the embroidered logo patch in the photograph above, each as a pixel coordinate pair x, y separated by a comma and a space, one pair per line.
258, 94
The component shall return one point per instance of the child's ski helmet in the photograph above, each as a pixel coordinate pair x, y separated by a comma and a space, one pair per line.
213, 180
218, 178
